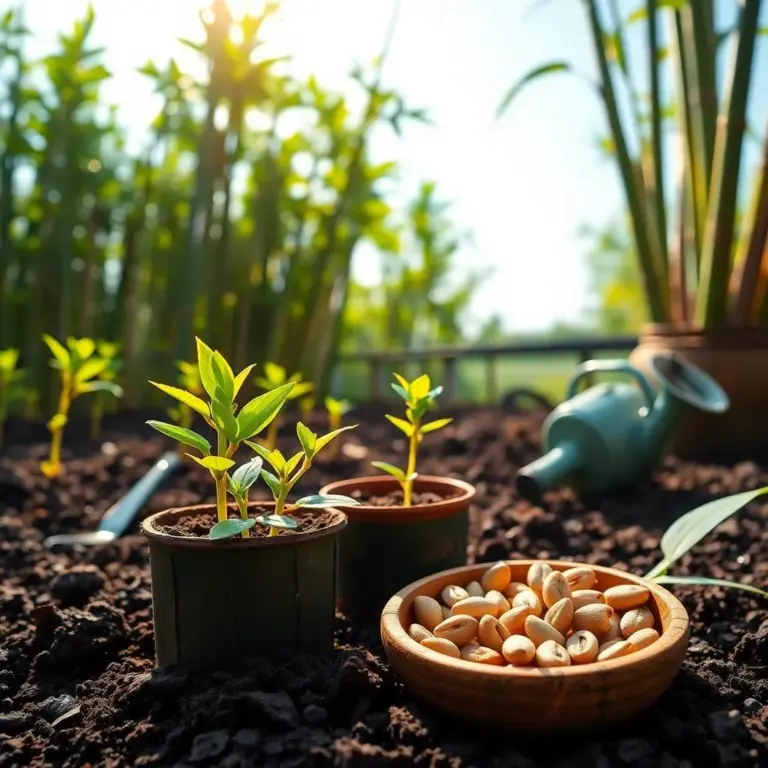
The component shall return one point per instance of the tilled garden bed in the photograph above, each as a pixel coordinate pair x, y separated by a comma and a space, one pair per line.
77, 685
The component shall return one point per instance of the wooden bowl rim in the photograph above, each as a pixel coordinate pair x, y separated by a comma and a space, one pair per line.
397, 635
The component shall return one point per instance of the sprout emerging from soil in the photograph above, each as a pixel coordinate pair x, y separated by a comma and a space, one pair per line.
276, 376
80, 371
220, 412
11, 380
419, 397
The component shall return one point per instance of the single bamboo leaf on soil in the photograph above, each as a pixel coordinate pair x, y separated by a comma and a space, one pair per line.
693, 526
307, 438
325, 439
241, 378
194, 402
529, 77
433, 426
247, 474
183, 435
205, 366
323, 501
100, 386
259, 412
401, 424
277, 521
390, 469
707, 582
58, 350
214, 463
226, 529
274, 484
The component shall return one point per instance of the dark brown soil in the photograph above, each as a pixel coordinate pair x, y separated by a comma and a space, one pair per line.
395, 498
199, 525
78, 688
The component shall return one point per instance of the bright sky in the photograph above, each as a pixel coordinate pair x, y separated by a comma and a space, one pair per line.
523, 185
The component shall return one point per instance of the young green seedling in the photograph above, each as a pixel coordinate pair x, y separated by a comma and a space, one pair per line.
108, 351
11, 387
80, 372
419, 397
276, 376
239, 484
220, 412
287, 472
336, 409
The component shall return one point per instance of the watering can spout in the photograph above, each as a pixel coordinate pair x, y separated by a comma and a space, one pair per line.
549, 471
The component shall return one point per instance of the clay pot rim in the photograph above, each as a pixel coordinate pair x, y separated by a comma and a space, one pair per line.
150, 529
416, 513
394, 633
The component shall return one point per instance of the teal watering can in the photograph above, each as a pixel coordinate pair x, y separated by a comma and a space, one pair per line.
613, 434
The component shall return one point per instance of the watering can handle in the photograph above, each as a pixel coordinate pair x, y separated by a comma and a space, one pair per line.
611, 366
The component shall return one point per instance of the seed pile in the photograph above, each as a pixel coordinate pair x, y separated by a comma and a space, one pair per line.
555, 619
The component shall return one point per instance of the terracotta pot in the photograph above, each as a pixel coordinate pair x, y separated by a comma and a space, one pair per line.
737, 358
531, 700
384, 548
217, 603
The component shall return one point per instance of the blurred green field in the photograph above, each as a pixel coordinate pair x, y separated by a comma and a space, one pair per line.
547, 374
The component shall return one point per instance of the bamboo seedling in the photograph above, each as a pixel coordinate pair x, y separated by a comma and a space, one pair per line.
11, 379
287, 472
336, 410
276, 376
419, 397
80, 372
109, 351
231, 424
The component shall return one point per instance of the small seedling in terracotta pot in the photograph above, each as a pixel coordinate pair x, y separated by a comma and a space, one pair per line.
422, 518
200, 554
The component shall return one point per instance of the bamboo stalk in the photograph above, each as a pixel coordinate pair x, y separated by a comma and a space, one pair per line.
650, 264
718, 239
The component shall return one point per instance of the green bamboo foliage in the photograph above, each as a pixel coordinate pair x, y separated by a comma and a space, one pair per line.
702, 265
223, 220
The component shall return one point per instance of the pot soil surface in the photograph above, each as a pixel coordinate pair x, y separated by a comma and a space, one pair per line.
77, 685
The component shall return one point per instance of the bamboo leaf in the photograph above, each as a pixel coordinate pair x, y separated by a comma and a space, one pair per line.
214, 463
241, 378
322, 441
323, 501
530, 77
259, 412
433, 426
90, 369
195, 403
390, 469
307, 439
225, 378
58, 351
205, 366
277, 521
227, 529
100, 386
182, 435
401, 424
707, 582
400, 391
225, 420
292, 463
273, 482
247, 474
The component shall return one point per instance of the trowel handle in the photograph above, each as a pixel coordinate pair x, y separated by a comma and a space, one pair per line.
611, 366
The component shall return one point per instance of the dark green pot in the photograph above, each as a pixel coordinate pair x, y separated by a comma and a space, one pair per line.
217, 603
384, 548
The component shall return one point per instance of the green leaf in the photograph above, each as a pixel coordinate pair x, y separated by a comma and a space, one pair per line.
100, 386
205, 366
390, 469
433, 426
225, 420
274, 484
82, 348
241, 378
277, 521
182, 435
276, 374
307, 438
225, 379
529, 77
90, 369
259, 412
436, 392
689, 529
226, 529
214, 463
419, 388
337, 407
400, 391
277, 460
292, 463
302, 388
325, 439
261, 450
58, 351
401, 424
8, 359
195, 403
247, 474
706, 582
322, 501
402, 381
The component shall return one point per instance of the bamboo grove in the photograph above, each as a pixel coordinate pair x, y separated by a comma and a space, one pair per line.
238, 219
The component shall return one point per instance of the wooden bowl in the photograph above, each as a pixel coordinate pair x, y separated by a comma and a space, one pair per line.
529, 699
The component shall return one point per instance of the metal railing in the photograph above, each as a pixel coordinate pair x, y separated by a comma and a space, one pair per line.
448, 357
